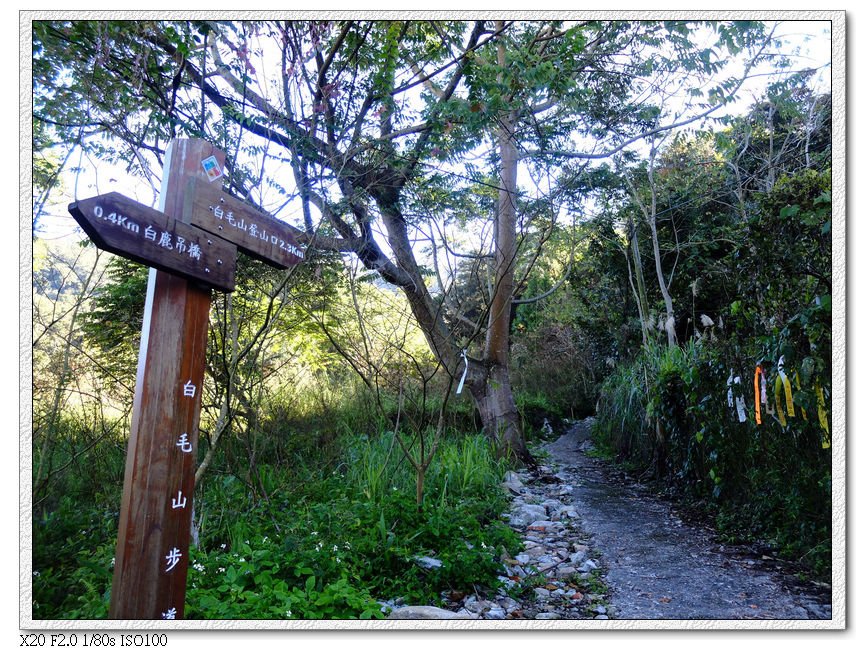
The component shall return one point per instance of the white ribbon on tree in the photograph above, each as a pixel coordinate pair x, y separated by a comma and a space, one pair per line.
465, 372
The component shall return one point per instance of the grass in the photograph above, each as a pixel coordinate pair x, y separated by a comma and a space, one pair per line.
333, 536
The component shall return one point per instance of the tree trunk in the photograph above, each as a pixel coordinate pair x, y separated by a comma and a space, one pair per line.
670, 323
493, 398
640, 289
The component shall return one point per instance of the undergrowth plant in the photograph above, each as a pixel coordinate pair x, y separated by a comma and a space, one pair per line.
331, 539
667, 415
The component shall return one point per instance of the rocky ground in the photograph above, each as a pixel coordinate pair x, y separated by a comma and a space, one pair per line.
598, 546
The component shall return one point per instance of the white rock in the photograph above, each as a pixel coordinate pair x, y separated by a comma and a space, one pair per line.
475, 607
516, 571
527, 514
425, 612
428, 562
513, 477
508, 603
566, 571
512, 483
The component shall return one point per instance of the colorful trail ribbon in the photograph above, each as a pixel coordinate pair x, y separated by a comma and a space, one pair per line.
821, 415
759, 383
465, 372
798, 388
782, 383
740, 402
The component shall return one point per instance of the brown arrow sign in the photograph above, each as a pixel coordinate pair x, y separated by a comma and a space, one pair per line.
130, 229
256, 233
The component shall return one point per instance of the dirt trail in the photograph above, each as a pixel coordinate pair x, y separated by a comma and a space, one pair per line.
660, 567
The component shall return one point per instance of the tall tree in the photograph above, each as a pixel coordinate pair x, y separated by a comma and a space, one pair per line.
353, 117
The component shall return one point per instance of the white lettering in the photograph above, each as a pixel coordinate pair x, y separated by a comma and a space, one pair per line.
184, 443
180, 501
173, 558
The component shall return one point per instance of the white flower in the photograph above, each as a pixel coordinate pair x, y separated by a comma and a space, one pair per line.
222, 546
338, 561
335, 548
35, 573
221, 569
314, 533
288, 612
198, 567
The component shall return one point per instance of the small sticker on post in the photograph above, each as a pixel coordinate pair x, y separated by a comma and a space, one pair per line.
211, 168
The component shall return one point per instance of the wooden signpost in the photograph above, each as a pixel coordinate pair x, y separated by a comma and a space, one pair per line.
152, 553
123, 226
256, 233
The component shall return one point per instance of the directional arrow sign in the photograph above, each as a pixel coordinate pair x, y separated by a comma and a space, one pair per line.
256, 233
130, 229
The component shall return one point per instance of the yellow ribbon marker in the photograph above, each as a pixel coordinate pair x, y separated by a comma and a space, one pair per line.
799, 387
821, 414
778, 404
781, 380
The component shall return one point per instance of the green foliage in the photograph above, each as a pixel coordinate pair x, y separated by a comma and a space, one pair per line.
757, 278
564, 344
332, 537
112, 325
271, 582
309, 508
73, 549
669, 406
668, 412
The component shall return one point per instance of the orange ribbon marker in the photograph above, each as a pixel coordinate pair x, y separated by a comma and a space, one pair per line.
758, 375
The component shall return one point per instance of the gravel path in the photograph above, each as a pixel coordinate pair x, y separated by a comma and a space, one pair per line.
660, 567
597, 545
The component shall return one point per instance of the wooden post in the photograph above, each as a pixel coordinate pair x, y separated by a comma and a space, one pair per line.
152, 554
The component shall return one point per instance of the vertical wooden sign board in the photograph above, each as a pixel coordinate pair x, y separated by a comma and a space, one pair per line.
152, 554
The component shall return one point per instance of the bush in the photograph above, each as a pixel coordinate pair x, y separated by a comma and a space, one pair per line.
328, 541
667, 413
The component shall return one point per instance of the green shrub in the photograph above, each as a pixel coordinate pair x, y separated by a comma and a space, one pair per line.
327, 539
667, 412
